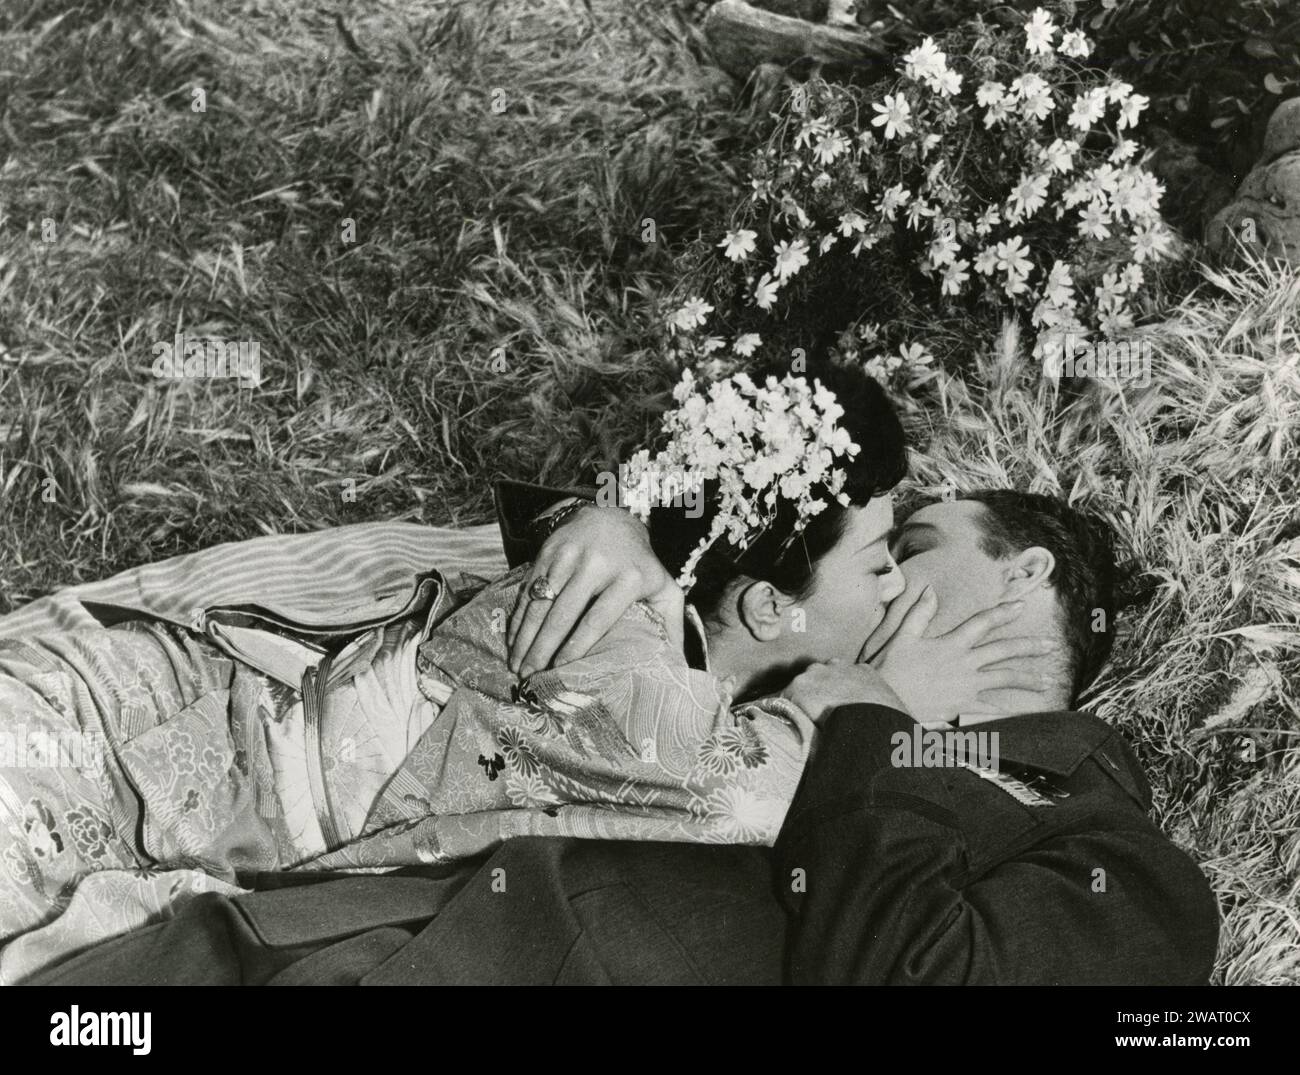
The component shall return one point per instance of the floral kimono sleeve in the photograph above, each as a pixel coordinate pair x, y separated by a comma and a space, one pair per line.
627, 742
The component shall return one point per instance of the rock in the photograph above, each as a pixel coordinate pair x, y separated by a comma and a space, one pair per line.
1283, 132
742, 37
1264, 216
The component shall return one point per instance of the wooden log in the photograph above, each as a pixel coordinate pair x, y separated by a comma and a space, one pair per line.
808, 10
743, 36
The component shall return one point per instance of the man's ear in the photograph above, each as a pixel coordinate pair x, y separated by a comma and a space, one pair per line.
760, 607
1029, 570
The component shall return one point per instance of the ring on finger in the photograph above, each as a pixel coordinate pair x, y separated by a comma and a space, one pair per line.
540, 589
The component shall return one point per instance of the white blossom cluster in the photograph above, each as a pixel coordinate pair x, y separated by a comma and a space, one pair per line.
1050, 112
760, 443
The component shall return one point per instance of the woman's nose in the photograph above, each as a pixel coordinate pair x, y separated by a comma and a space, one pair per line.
893, 584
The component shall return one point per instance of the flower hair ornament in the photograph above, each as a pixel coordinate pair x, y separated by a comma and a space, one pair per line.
761, 444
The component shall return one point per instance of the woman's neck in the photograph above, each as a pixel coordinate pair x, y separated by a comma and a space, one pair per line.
745, 662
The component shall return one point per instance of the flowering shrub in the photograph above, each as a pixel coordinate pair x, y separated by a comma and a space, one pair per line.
757, 443
997, 173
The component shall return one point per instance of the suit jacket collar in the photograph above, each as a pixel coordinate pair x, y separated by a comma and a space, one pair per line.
1057, 743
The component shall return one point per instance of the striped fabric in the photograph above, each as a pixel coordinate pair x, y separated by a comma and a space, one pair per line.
326, 580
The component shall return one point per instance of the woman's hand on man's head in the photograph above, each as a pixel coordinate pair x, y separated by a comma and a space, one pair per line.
598, 563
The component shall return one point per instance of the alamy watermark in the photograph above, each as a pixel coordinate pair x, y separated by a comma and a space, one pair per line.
940, 748
208, 357
38, 748
75, 1027
651, 487
1106, 360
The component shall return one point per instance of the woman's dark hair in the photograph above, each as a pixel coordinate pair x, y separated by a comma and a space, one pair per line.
870, 419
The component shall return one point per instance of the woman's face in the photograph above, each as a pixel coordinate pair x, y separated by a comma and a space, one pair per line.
855, 581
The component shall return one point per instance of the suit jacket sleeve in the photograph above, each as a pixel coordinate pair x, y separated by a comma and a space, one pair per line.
890, 897
518, 504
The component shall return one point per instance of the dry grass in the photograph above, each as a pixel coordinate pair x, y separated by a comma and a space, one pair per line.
476, 231
1198, 474
521, 231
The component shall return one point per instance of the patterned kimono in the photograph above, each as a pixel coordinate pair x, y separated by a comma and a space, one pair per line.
627, 743
141, 764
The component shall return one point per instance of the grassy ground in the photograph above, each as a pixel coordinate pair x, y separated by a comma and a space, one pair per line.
488, 319
495, 317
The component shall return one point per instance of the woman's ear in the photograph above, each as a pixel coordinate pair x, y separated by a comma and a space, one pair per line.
1029, 570
761, 606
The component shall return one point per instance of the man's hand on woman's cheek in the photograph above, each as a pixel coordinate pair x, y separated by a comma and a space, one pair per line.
598, 564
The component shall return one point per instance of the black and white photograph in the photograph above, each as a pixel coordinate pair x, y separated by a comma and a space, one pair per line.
650, 492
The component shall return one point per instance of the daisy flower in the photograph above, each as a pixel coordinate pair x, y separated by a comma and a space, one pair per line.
747, 344
925, 61
851, 222
692, 315
739, 244
1088, 109
987, 221
790, 258
986, 261
830, 148
1117, 91
1130, 110
1039, 31
894, 115
765, 291
997, 112
1075, 44
916, 212
990, 93
1123, 151
954, 276
947, 83
1013, 256
895, 198
1092, 221
1027, 198
1059, 289
1150, 242
1116, 322
1059, 156
943, 251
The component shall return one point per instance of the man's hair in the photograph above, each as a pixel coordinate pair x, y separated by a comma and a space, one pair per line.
1084, 575
870, 419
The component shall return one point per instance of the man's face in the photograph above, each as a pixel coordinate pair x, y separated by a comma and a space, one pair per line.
939, 544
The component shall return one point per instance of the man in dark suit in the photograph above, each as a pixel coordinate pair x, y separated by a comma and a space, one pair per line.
1012, 848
